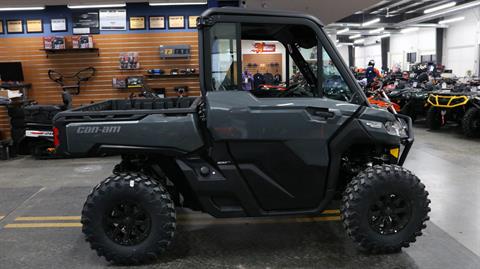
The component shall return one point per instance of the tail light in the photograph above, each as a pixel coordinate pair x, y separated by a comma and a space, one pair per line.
56, 139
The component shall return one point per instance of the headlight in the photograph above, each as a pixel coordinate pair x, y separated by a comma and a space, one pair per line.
396, 128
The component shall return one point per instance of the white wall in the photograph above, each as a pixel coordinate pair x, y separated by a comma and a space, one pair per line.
343, 50
422, 42
461, 44
364, 54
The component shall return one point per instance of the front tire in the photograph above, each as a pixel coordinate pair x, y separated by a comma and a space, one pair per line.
384, 209
434, 118
471, 123
129, 218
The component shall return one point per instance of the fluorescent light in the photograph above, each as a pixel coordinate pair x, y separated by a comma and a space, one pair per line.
451, 20
343, 31
371, 22
95, 6
383, 36
354, 36
409, 30
177, 3
339, 45
21, 8
376, 31
440, 7
359, 41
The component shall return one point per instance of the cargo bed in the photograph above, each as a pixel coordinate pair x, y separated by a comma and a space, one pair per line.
143, 125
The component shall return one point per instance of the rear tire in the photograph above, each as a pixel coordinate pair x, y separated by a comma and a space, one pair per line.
434, 118
384, 209
129, 219
471, 123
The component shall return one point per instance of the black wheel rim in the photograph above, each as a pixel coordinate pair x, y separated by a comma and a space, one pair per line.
127, 223
389, 214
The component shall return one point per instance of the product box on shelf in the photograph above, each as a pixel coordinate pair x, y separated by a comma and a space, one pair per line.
54, 42
82, 42
129, 60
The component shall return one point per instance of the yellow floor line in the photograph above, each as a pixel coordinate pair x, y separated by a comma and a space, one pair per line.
190, 223
48, 218
179, 216
44, 225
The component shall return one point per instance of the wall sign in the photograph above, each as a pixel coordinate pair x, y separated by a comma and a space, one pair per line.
85, 23
113, 19
58, 25
137, 23
259, 47
192, 22
34, 26
1, 27
176, 22
15, 26
156, 22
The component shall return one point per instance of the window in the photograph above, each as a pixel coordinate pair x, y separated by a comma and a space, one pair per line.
273, 61
333, 85
224, 56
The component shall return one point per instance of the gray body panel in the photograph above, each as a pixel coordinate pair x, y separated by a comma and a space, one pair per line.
180, 133
241, 116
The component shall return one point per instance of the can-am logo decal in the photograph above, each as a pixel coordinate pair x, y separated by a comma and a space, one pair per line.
98, 129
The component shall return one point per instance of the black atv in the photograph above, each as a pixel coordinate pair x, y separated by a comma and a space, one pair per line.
412, 99
460, 104
38, 138
231, 153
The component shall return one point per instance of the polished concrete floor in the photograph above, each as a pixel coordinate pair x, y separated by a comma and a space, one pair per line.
40, 202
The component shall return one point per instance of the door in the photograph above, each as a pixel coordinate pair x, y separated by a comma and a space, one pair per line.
276, 130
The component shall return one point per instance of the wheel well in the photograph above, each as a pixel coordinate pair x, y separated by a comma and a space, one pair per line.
357, 158
166, 171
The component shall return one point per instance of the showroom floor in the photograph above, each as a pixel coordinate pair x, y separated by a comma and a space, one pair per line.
40, 202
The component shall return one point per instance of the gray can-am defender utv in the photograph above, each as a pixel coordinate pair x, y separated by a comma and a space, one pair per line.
236, 152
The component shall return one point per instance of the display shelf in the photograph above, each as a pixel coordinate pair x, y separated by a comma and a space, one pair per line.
67, 51
171, 76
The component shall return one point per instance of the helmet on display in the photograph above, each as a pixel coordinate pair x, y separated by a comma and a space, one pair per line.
371, 63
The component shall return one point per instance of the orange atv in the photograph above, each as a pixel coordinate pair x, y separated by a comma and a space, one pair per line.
379, 98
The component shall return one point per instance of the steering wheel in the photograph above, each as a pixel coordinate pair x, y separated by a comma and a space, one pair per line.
292, 88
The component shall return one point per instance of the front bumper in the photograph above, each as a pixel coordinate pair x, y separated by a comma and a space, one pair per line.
406, 142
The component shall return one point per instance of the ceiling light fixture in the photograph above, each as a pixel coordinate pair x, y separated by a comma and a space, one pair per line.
409, 30
343, 31
451, 20
384, 36
355, 36
358, 41
95, 6
371, 22
376, 31
440, 7
21, 8
177, 3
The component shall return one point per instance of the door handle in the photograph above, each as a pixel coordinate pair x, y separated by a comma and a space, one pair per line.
322, 112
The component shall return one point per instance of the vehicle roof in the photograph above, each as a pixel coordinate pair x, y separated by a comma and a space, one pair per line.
259, 12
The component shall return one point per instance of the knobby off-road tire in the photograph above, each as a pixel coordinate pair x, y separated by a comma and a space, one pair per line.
471, 123
405, 202
129, 219
434, 118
